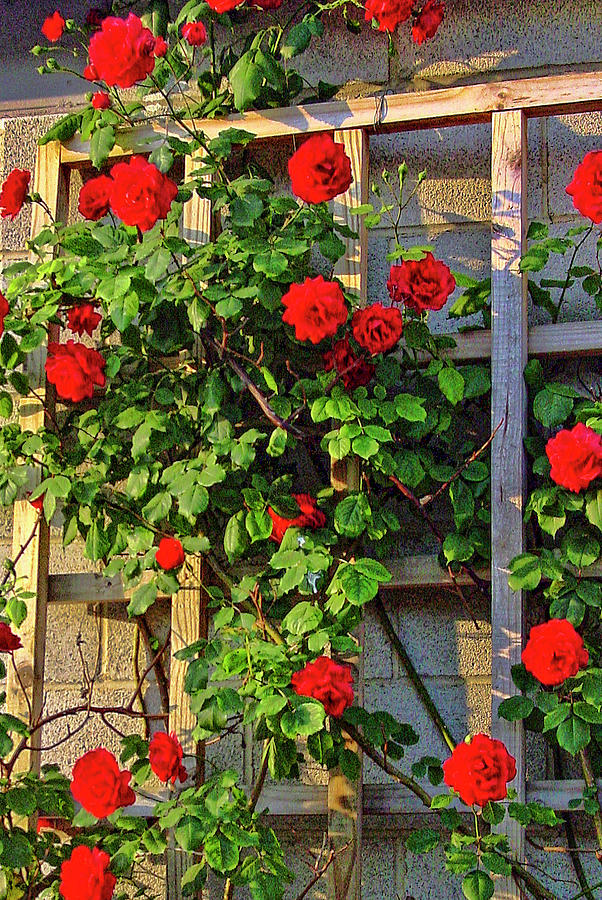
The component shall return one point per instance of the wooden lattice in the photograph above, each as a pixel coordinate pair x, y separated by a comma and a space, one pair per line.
507, 106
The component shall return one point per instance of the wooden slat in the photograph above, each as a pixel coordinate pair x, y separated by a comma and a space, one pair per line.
464, 104
52, 183
550, 341
508, 404
189, 619
345, 798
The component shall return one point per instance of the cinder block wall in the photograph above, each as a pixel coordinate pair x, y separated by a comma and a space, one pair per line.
490, 40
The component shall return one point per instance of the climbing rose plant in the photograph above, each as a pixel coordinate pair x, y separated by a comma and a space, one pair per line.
223, 382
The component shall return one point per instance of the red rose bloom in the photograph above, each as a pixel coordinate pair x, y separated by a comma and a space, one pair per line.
140, 193
4, 311
161, 47
421, 284
377, 328
388, 13
90, 73
319, 169
354, 370
194, 33
84, 875
309, 517
94, 198
14, 192
53, 27
327, 681
315, 309
586, 187
101, 100
74, 370
38, 503
8, 640
222, 6
479, 770
165, 757
122, 51
83, 318
98, 784
554, 652
170, 553
266, 4
428, 21
575, 457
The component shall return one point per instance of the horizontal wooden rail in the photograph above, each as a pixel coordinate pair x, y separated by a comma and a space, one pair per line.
383, 799
548, 96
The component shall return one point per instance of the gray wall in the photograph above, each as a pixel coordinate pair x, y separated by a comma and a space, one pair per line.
488, 40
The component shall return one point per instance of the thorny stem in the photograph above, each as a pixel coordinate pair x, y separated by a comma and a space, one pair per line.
430, 497
568, 274
570, 837
413, 674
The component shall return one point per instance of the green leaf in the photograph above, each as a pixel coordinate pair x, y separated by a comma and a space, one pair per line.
246, 79
352, 515
515, 708
493, 813
496, 864
221, 853
296, 41
593, 509
451, 384
303, 617
525, 572
423, 840
97, 542
158, 507
142, 598
123, 309
236, 537
581, 547
551, 408
308, 718
358, 588
190, 833
271, 263
457, 548
62, 130
410, 408
573, 735
477, 886
101, 144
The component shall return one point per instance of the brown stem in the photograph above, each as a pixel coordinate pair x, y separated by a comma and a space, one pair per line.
151, 664
429, 499
570, 837
321, 872
162, 683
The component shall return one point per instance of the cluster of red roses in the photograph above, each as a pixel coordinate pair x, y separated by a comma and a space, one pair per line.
575, 456
390, 13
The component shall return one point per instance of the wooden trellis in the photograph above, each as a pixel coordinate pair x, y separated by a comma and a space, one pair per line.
507, 106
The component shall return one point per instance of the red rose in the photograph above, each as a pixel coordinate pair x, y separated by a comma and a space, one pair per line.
428, 21
38, 503
315, 309
170, 553
320, 169
101, 100
221, 6
266, 4
74, 369
8, 640
122, 51
353, 370
327, 681
377, 328
165, 757
53, 26
90, 73
478, 770
195, 33
140, 193
94, 198
586, 186
83, 318
14, 192
421, 284
388, 13
161, 47
309, 517
98, 784
4, 311
575, 457
554, 652
84, 875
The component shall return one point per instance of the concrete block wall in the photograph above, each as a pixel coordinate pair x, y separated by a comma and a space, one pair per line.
491, 40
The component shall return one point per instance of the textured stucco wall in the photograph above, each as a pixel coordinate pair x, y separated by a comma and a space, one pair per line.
491, 39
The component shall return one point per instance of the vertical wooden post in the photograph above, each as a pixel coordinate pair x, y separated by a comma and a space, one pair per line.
189, 618
345, 798
51, 182
508, 404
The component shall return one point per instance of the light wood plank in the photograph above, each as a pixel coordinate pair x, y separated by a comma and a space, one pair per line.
52, 183
462, 104
508, 403
189, 619
345, 798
